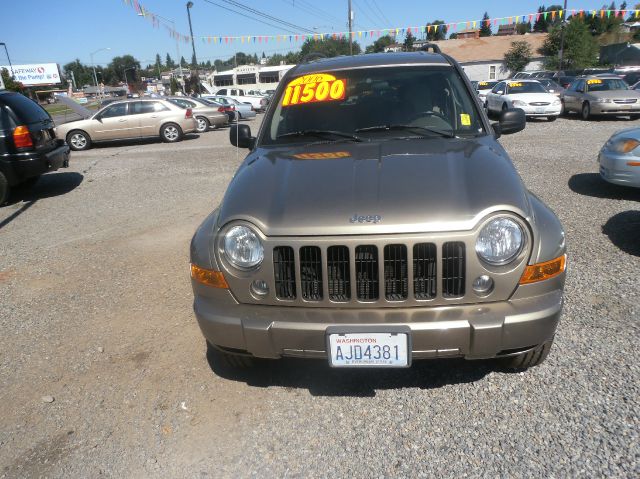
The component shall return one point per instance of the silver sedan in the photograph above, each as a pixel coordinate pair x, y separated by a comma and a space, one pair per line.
619, 158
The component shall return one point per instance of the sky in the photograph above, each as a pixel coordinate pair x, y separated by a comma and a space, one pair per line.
61, 31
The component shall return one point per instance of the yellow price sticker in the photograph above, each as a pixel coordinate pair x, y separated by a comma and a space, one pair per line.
594, 81
322, 156
515, 85
319, 87
483, 83
465, 119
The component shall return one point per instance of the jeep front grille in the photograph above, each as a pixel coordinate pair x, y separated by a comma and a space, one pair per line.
338, 265
284, 271
310, 273
338, 273
424, 271
367, 273
453, 269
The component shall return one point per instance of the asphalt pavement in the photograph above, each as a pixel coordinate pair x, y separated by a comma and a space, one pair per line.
104, 373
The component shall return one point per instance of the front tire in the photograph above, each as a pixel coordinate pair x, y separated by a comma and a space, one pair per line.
4, 189
202, 124
552, 118
634, 117
586, 111
528, 359
229, 361
170, 133
78, 140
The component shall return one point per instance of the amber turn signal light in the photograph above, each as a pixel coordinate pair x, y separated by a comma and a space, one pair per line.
22, 137
542, 271
215, 279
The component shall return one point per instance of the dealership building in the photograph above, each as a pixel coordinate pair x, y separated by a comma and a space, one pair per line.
249, 77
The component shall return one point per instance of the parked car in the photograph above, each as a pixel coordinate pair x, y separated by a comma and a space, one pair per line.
29, 146
631, 78
228, 110
521, 75
529, 95
373, 227
244, 111
564, 81
130, 119
485, 87
619, 158
595, 95
551, 86
207, 116
258, 102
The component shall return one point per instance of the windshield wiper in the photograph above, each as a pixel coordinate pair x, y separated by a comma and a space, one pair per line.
320, 134
446, 134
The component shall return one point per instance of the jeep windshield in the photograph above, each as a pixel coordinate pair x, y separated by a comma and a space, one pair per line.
374, 104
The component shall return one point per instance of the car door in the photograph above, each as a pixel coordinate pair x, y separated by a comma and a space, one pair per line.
113, 123
575, 95
494, 98
149, 115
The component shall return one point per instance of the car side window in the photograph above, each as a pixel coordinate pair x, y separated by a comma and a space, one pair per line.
498, 87
157, 106
141, 107
119, 109
580, 85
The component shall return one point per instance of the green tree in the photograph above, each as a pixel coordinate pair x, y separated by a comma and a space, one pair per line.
329, 47
523, 28
173, 85
158, 64
485, 29
407, 45
437, 31
518, 56
118, 66
453, 36
379, 45
580, 47
169, 62
287, 59
183, 63
607, 24
543, 24
82, 73
9, 83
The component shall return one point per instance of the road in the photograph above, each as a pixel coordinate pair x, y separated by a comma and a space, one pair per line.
104, 374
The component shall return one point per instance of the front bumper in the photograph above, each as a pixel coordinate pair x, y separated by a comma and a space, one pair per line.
615, 108
614, 168
549, 110
471, 331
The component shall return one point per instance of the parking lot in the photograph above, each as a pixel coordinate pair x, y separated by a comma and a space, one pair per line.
104, 373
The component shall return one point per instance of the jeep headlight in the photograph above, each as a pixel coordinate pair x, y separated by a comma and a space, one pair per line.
500, 241
519, 103
243, 248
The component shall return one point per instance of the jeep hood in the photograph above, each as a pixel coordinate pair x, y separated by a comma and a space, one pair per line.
412, 185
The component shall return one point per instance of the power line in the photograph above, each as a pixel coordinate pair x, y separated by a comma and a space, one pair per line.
266, 15
376, 13
364, 12
312, 9
382, 15
250, 18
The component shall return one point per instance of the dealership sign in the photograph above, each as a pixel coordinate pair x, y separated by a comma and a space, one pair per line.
35, 74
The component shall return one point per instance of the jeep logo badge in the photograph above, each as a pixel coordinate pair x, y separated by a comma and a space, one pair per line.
365, 218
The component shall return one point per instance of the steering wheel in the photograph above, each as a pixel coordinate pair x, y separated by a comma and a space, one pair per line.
422, 114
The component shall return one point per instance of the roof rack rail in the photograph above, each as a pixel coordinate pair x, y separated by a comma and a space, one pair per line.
425, 48
313, 56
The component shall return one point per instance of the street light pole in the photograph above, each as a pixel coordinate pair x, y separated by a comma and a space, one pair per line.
93, 66
10, 65
350, 27
193, 45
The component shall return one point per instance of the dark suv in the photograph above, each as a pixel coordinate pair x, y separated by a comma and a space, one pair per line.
28, 143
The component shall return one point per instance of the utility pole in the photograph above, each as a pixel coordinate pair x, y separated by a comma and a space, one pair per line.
350, 26
562, 27
193, 45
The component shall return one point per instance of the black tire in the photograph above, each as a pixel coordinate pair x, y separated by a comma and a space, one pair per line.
563, 109
552, 118
202, 124
529, 359
78, 140
634, 117
586, 111
170, 133
4, 189
228, 360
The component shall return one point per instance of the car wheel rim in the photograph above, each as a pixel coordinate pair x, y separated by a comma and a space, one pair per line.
171, 133
202, 125
78, 140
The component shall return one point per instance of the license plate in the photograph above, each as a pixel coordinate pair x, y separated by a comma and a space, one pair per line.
540, 109
349, 350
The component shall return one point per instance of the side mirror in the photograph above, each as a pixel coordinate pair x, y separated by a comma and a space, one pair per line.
240, 136
580, 90
511, 121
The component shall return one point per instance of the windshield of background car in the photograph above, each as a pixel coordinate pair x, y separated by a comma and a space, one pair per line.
350, 101
486, 85
525, 87
606, 84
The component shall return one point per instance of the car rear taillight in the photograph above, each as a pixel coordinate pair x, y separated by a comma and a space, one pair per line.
221, 109
189, 113
22, 137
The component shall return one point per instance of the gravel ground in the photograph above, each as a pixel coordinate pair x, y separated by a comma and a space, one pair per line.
103, 368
